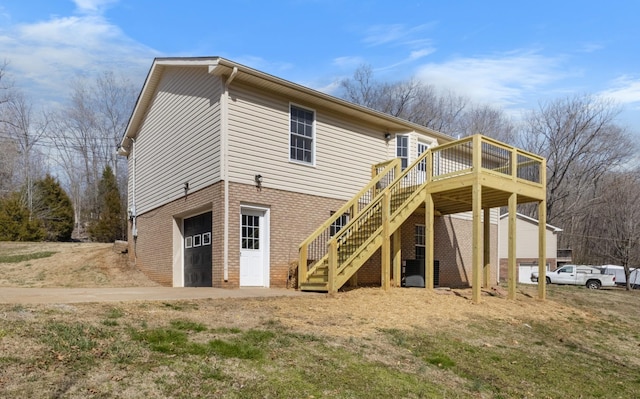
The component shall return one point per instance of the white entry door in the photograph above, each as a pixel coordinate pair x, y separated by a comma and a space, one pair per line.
254, 239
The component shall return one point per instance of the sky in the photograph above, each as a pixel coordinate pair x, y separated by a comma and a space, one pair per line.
510, 54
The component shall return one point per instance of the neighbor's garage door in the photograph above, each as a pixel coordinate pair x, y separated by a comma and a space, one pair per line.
524, 273
197, 251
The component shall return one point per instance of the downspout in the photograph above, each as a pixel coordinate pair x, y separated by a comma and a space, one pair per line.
224, 166
134, 214
498, 249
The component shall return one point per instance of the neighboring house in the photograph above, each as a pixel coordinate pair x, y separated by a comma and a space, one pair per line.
527, 229
231, 169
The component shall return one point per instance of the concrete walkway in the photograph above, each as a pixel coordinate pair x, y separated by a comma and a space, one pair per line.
76, 295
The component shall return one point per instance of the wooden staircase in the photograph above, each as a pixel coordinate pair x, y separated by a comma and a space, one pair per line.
474, 174
377, 211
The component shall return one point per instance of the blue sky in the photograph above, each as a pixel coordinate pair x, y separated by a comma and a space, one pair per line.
512, 54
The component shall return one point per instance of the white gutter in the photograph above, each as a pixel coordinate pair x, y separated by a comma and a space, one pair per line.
224, 167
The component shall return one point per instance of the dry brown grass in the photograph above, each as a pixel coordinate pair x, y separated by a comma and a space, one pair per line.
72, 265
358, 324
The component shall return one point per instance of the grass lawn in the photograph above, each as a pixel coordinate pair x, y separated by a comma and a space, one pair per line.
359, 344
364, 343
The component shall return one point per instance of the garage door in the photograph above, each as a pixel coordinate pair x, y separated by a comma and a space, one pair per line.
197, 251
524, 273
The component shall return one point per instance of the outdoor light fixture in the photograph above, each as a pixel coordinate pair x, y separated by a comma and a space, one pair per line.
258, 180
387, 136
186, 187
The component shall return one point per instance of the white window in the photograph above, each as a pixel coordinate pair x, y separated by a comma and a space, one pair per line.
302, 135
402, 150
250, 232
338, 224
420, 242
206, 238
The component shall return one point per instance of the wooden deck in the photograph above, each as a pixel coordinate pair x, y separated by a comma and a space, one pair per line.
473, 174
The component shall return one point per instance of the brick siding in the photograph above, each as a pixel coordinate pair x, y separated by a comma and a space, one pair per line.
293, 217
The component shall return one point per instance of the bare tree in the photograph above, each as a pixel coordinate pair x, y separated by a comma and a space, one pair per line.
26, 130
489, 121
115, 99
612, 229
8, 145
581, 141
8, 165
87, 132
411, 99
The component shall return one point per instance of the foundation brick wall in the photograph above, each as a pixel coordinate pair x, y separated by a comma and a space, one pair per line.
293, 217
452, 248
152, 251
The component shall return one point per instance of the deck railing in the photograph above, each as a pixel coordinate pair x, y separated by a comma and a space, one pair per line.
314, 248
362, 229
456, 158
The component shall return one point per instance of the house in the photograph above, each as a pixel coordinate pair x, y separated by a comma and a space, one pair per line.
527, 247
236, 176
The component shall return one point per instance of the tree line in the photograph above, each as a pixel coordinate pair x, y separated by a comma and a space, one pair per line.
60, 176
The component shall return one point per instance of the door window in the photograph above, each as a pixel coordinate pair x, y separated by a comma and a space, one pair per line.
250, 232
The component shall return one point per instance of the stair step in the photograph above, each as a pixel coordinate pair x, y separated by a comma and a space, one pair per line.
315, 287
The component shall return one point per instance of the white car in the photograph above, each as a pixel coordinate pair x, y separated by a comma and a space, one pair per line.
589, 276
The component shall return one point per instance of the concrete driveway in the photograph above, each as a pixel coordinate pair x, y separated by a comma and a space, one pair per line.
76, 295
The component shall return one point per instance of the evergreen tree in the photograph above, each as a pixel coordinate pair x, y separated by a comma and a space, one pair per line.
15, 223
53, 208
108, 226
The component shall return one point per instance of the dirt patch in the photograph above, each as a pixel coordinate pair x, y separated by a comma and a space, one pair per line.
73, 265
355, 313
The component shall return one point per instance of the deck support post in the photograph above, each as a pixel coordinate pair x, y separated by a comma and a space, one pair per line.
542, 250
428, 242
511, 256
386, 242
333, 264
476, 275
302, 264
486, 225
397, 257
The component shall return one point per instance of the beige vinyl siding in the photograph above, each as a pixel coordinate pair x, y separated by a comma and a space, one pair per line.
259, 144
179, 140
493, 218
526, 240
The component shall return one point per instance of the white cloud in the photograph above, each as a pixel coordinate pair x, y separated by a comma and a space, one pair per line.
502, 80
591, 47
93, 6
45, 56
348, 62
625, 90
396, 34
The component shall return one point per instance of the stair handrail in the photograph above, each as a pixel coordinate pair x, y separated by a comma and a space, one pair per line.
344, 257
428, 164
435, 163
390, 169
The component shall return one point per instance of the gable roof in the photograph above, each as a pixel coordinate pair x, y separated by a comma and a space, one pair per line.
531, 220
222, 67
